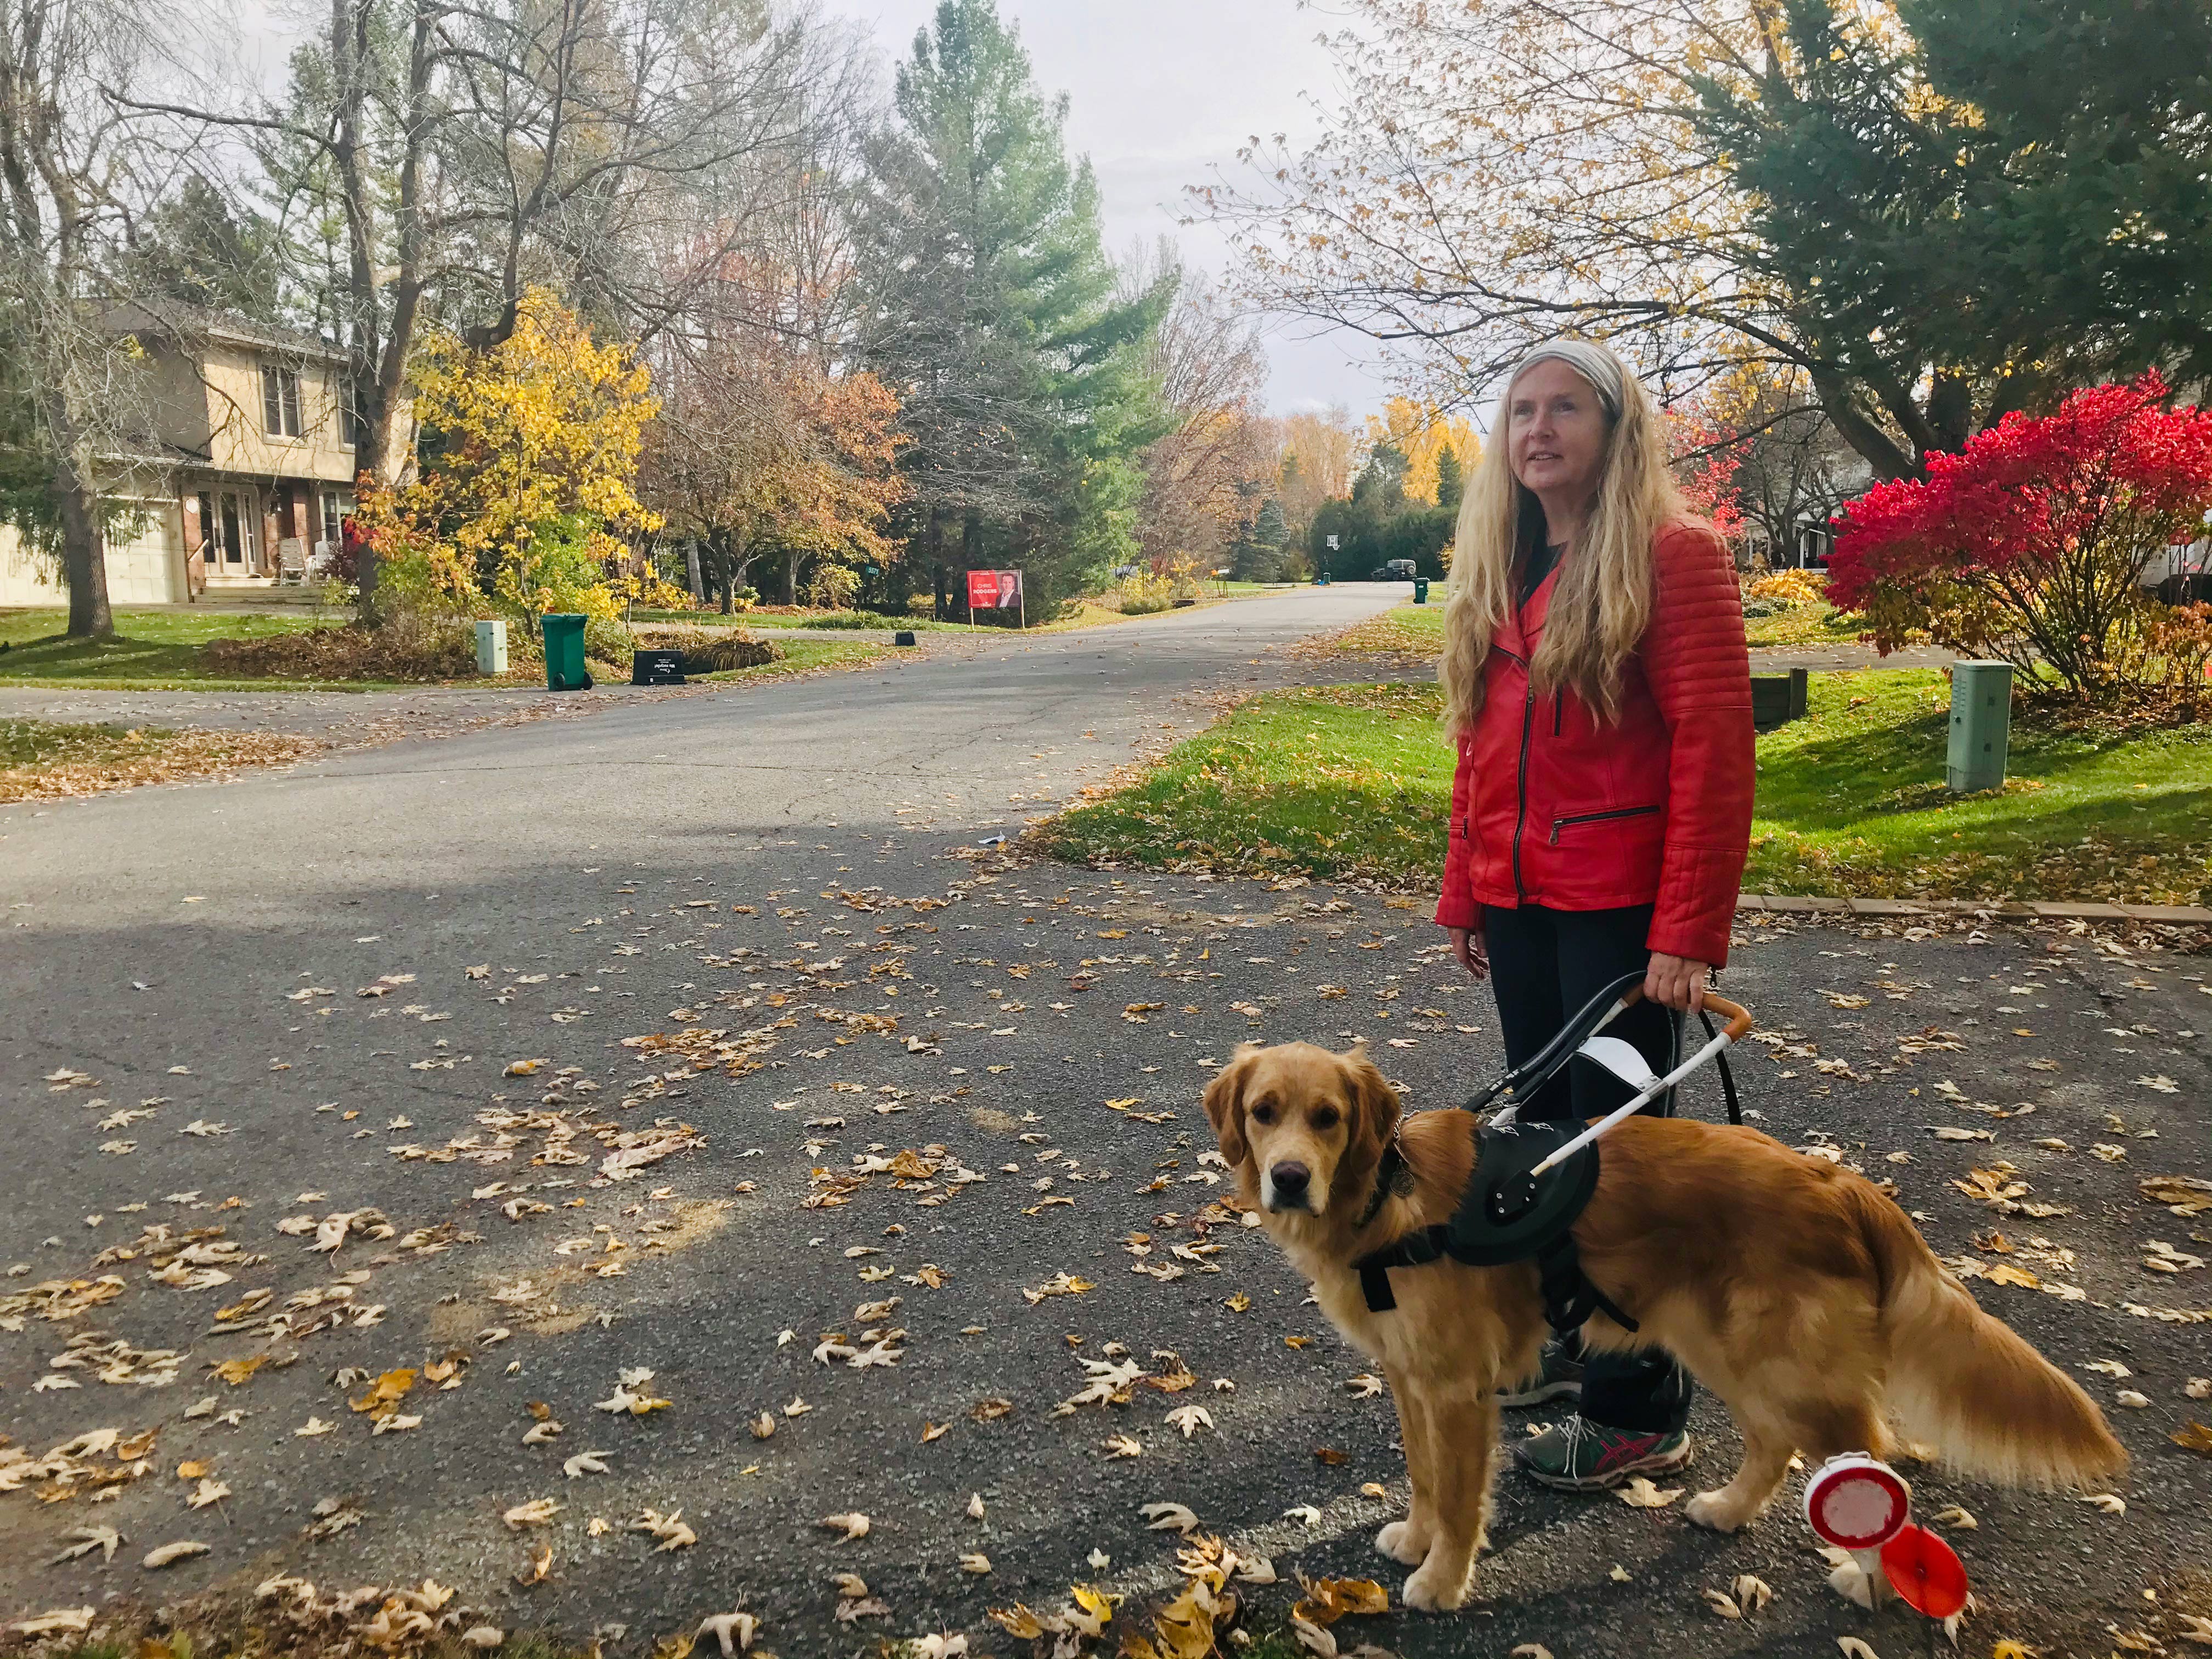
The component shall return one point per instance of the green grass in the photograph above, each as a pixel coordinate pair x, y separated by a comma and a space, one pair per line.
1406, 630
152, 650
1803, 625
1336, 780
802, 655
1355, 780
44, 742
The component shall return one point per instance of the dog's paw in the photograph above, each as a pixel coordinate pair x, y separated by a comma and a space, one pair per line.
1434, 1590
1713, 1511
1401, 1542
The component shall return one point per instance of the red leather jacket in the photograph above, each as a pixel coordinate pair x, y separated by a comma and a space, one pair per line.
1550, 807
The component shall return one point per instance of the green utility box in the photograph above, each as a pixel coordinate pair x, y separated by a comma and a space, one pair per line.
563, 633
1420, 590
1981, 726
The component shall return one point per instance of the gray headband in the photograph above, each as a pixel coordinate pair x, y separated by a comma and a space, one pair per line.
1594, 363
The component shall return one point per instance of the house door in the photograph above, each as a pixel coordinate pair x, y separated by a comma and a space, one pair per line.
232, 536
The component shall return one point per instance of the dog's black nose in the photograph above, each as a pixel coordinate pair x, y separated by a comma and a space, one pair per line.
1291, 1180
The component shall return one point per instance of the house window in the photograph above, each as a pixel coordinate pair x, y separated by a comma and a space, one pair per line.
280, 401
335, 506
350, 422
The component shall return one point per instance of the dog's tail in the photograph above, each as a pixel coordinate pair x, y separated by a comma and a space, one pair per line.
1966, 1384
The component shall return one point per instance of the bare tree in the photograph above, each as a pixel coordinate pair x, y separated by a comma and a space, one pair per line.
71, 169
468, 151
1204, 481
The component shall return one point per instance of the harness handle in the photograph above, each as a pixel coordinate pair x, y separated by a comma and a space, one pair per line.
1739, 1019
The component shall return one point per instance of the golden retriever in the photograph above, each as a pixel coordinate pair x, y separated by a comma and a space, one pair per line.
1794, 1289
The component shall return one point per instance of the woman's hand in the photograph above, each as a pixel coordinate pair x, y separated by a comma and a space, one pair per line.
1466, 945
1675, 981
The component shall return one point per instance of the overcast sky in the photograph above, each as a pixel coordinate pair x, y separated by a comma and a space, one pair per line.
1161, 92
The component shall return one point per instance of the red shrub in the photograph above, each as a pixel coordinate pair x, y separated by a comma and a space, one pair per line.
2028, 543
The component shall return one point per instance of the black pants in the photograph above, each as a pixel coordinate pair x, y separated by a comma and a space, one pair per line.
1544, 965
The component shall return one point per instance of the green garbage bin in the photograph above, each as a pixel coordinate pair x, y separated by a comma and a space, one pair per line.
1420, 590
563, 633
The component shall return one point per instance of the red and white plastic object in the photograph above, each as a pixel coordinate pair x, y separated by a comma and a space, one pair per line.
1859, 1504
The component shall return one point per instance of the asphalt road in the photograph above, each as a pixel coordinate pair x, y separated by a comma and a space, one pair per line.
783, 891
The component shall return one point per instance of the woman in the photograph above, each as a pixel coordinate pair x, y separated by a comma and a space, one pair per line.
1596, 680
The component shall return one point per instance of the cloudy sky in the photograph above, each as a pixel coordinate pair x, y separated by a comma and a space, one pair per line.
1160, 93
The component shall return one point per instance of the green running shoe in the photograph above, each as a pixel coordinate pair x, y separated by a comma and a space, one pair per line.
1579, 1455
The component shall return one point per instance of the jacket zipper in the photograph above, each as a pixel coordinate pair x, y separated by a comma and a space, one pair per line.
1558, 824
1521, 817
1528, 722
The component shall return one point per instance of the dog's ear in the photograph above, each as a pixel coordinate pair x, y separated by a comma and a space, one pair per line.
1224, 1102
1374, 1108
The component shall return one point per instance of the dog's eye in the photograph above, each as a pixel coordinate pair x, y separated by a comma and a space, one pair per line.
1325, 1118
1263, 1114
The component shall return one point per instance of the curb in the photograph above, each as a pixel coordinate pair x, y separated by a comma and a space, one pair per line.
2180, 914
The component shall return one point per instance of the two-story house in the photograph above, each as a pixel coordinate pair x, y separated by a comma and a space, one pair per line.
241, 476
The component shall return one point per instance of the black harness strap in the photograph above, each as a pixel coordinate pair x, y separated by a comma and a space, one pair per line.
1505, 1215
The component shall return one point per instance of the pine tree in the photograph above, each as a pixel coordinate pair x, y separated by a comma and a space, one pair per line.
1451, 480
990, 309
198, 248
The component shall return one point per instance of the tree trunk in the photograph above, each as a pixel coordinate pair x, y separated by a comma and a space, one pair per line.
691, 569
791, 557
932, 541
84, 553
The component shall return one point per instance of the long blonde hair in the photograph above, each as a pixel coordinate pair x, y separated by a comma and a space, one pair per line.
1602, 603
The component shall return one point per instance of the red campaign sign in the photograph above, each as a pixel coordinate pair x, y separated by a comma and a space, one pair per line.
995, 590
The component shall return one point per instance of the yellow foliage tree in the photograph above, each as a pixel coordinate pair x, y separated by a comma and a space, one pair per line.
1422, 432
535, 453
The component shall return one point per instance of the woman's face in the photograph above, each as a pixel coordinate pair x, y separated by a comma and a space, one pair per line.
1556, 433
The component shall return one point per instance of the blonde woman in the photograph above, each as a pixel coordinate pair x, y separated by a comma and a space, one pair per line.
1596, 681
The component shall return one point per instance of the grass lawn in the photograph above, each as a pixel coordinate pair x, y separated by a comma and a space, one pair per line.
42, 760
152, 650
1803, 625
1406, 630
1418, 630
802, 655
1356, 780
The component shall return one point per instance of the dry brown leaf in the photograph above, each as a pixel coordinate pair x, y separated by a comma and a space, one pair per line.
1640, 1494
535, 1513
854, 1526
180, 1550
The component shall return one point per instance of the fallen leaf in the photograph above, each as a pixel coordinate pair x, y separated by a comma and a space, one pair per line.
1640, 1494
312, 1428
1852, 1648
168, 1554
1530, 1651
1122, 1445
535, 1513
1751, 1594
734, 1630
1328, 1600
2196, 1437
1956, 1516
208, 1492
105, 1540
2110, 1503
1723, 1604
1161, 1517
976, 1563
1190, 1419
482, 1637
584, 1462
2131, 1399
763, 1425
73, 1622
854, 1526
